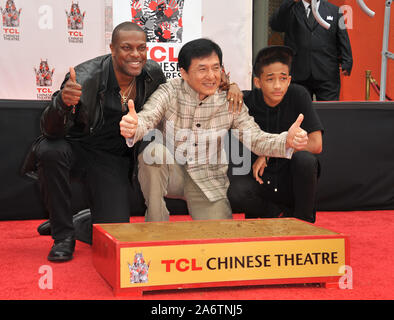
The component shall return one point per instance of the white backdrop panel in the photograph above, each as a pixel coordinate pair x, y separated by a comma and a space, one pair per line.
43, 34
230, 23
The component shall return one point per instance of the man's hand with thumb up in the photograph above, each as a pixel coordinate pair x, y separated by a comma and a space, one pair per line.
72, 91
128, 124
297, 138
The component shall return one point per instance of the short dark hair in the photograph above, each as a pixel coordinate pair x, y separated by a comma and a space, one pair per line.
199, 48
270, 55
125, 26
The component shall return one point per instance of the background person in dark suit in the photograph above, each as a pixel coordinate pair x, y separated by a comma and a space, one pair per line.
320, 54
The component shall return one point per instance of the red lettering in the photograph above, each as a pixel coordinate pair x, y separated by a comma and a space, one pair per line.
11, 31
178, 265
75, 33
44, 90
153, 54
171, 56
181, 265
159, 54
194, 266
168, 264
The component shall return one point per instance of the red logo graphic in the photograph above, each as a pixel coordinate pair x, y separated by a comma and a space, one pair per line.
139, 269
160, 19
43, 74
11, 16
75, 17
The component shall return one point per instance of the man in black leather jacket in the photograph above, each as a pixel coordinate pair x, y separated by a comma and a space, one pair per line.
80, 133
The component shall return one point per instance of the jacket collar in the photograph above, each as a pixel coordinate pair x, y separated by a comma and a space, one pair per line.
301, 13
193, 93
146, 74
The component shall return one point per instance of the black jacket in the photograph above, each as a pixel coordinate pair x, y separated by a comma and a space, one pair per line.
61, 121
318, 51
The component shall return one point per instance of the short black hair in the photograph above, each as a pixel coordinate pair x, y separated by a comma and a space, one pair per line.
270, 55
199, 48
125, 26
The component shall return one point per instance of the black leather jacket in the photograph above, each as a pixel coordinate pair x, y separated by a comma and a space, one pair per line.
61, 121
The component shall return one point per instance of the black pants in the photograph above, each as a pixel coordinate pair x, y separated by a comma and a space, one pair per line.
324, 90
291, 191
106, 178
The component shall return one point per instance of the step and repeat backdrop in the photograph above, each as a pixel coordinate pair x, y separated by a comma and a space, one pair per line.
41, 39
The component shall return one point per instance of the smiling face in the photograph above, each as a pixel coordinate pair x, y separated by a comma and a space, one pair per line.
273, 82
203, 75
129, 53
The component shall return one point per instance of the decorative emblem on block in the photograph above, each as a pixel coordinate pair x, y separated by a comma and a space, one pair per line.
139, 269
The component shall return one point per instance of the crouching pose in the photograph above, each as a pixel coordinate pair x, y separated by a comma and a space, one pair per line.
192, 115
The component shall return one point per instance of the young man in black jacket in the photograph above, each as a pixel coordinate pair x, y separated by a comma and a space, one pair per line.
80, 134
279, 186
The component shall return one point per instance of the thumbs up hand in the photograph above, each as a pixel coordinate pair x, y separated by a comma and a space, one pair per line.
72, 91
129, 123
73, 75
297, 138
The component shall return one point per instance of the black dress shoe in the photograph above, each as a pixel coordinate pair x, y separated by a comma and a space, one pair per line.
82, 222
62, 250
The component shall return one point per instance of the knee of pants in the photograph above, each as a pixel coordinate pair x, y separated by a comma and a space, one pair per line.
152, 163
304, 162
153, 180
241, 189
155, 154
148, 171
51, 151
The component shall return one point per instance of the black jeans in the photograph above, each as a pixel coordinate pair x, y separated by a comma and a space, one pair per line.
292, 190
105, 176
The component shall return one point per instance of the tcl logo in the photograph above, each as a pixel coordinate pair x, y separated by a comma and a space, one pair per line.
75, 34
44, 90
159, 54
10, 31
181, 265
